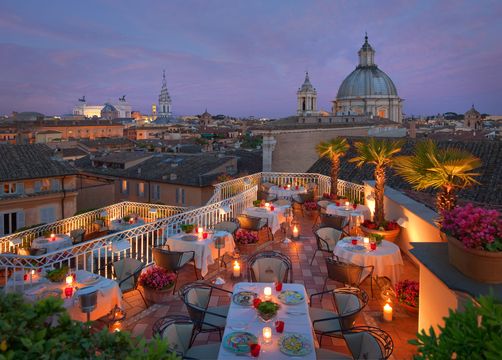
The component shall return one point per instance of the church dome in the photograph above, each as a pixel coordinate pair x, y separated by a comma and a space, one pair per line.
367, 79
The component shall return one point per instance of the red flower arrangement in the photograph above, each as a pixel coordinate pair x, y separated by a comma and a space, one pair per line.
387, 225
157, 278
310, 205
407, 292
245, 237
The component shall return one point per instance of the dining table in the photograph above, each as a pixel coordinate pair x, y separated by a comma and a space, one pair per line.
121, 225
356, 217
205, 250
59, 241
294, 312
386, 258
108, 298
286, 193
274, 217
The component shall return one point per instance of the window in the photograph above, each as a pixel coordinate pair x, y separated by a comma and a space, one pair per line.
55, 184
9, 188
180, 196
124, 187
141, 189
10, 222
155, 192
42, 185
47, 214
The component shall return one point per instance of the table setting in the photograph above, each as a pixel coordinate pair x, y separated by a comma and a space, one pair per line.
383, 255
270, 321
202, 243
274, 214
287, 191
53, 242
126, 223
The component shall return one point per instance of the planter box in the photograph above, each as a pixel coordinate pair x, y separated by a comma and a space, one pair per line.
479, 265
390, 235
153, 296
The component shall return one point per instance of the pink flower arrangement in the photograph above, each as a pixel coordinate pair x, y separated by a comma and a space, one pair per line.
407, 292
157, 278
475, 227
310, 205
245, 237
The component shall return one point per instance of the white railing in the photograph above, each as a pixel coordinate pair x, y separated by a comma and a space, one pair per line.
229, 188
98, 255
85, 221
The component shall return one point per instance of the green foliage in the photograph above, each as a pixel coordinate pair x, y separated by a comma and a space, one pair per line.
378, 152
188, 228
30, 331
475, 333
377, 238
251, 142
57, 275
268, 307
336, 147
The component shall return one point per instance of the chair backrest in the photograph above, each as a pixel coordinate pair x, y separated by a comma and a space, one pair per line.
349, 303
266, 186
323, 204
23, 251
37, 252
335, 221
177, 330
230, 226
308, 196
327, 237
196, 297
282, 202
125, 267
343, 272
77, 235
250, 222
166, 259
269, 266
368, 342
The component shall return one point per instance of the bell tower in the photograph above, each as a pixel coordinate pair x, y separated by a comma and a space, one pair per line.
164, 109
307, 98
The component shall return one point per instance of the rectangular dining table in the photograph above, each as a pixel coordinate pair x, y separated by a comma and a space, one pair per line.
244, 318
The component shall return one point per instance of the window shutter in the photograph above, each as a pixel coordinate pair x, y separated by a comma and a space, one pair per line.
20, 219
137, 189
38, 186
183, 196
1, 222
177, 196
55, 184
19, 188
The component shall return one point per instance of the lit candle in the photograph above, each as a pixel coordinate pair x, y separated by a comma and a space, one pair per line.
32, 272
267, 291
366, 241
237, 269
69, 280
387, 312
116, 326
289, 186
347, 205
267, 334
200, 230
295, 231
53, 236
267, 204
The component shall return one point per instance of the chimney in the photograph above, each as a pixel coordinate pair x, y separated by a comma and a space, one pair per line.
413, 129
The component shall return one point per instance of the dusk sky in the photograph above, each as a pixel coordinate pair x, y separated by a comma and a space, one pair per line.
246, 57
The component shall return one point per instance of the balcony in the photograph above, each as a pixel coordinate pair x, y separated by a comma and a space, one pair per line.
229, 200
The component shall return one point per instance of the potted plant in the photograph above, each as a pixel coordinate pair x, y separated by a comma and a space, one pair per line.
310, 208
407, 295
187, 228
380, 153
267, 310
157, 283
333, 149
246, 241
474, 238
447, 170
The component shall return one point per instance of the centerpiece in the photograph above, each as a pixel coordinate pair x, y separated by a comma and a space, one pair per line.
266, 310
157, 283
407, 295
57, 275
381, 154
474, 238
310, 207
246, 241
187, 228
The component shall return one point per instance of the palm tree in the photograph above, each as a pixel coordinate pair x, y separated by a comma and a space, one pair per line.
447, 169
334, 149
378, 152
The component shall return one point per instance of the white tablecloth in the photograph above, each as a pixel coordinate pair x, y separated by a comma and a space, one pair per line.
282, 193
275, 218
386, 258
205, 250
356, 217
109, 295
61, 241
243, 318
119, 225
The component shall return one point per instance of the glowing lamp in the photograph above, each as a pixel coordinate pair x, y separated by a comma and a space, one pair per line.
387, 312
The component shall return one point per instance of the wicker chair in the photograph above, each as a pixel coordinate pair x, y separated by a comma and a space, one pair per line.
335, 221
368, 342
326, 238
321, 209
349, 303
348, 273
282, 202
173, 260
98, 225
253, 223
269, 266
230, 226
196, 297
302, 198
127, 271
177, 331
77, 236
37, 252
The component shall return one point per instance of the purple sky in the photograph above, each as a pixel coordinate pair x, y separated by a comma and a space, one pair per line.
246, 57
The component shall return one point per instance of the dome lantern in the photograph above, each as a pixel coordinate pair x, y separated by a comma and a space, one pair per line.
366, 54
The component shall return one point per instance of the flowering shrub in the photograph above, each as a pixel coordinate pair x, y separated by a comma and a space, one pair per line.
407, 292
157, 278
245, 237
310, 205
476, 227
387, 225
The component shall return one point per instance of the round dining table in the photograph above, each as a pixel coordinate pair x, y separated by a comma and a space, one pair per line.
356, 217
288, 193
386, 258
59, 241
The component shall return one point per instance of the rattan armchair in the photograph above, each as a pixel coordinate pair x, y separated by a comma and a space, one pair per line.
230, 226
348, 273
326, 239
197, 296
126, 272
335, 221
368, 342
77, 235
173, 261
177, 331
269, 266
253, 223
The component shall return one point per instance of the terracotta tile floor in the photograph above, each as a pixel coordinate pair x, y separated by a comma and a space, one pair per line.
403, 327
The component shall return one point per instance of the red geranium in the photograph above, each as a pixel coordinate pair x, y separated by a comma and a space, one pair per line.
386, 225
407, 292
157, 278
